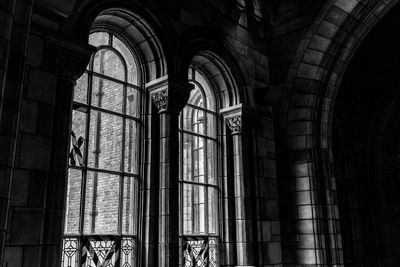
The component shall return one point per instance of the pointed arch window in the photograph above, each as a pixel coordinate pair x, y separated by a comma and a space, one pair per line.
102, 190
198, 175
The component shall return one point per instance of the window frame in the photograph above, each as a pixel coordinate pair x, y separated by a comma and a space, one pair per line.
123, 175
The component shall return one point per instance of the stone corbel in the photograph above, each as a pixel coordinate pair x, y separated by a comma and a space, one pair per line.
71, 59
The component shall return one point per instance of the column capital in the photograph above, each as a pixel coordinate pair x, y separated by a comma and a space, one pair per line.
71, 58
239, 117
235, 124
169, 94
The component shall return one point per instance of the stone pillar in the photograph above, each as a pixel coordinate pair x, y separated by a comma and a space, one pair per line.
169, 96
71, 61
243, 188
14, 31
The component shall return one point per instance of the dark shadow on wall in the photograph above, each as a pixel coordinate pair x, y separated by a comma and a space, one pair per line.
365, 142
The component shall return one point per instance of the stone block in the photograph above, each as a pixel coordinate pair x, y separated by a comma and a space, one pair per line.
41, 86
305, 212
320, 43
274, 253
20, 187
34, 152
13, 256
347, 5
29, 113
35, 51
26, 226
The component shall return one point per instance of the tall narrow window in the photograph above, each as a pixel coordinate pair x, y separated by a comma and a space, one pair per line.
102, 190
198, 182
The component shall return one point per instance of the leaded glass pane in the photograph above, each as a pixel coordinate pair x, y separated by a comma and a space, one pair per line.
196, 97
101, 203
107, 94
129, 205
194, 209
130, 61
212, 210
131, 147
80, 90
107, 62
70, 252
133, 102
211, 124
210, 105
211, 160
105, 141
99, 38
73, 201
78, 135
187, 151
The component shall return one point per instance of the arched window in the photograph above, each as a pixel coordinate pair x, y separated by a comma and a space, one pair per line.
101, 203
198, 178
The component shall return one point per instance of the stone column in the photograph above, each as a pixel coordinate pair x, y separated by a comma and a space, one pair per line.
71, 60
169, 96
243, 183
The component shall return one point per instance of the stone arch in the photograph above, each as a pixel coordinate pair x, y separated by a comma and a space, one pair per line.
306, 117
219, 62
140, 29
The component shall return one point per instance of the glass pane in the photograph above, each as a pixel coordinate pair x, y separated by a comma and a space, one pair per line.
129, 205
128, 248
73, 201
193, 209
212, 210
107, 94
101, 203
78, 135
198, 122
108, 63
131, 147
105, 141
199, 163
211, 131
196, 97
98, 38
70, 253
210, 105
187, 151
186, 116
193, 120
133, 102
80, 90
130, 62
211, 158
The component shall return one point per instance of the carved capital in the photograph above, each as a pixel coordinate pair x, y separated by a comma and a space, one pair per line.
235, 124
169, 95
160, 99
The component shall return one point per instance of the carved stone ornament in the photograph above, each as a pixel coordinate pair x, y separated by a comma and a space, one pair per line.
160, 99
235, 124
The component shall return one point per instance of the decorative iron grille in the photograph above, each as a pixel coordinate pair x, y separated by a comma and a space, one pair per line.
200, 251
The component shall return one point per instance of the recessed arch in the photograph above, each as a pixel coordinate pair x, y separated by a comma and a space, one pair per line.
306, 117
140, 29
217, 60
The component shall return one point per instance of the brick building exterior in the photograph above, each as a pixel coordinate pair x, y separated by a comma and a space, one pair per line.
213, 133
